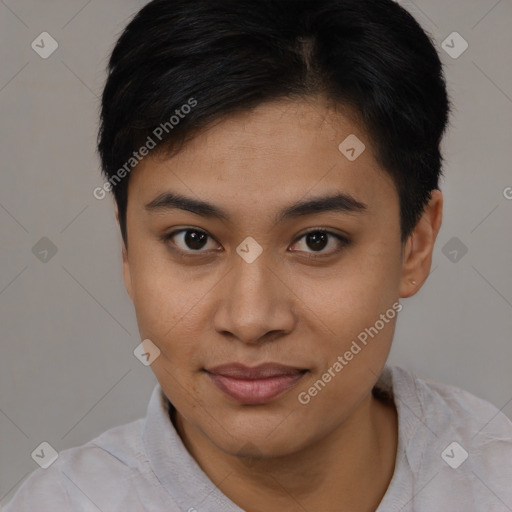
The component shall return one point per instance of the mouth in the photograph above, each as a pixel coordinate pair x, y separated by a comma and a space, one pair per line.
254, 385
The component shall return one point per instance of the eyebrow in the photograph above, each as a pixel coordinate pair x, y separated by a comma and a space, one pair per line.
341, 202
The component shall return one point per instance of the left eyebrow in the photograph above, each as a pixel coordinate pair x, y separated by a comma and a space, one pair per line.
341, 202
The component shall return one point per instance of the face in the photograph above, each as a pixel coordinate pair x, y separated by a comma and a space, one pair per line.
268, 281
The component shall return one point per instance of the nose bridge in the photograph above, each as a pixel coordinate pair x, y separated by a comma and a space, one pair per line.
252, 286
254, 301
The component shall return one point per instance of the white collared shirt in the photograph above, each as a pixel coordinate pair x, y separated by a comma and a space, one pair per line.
454, 454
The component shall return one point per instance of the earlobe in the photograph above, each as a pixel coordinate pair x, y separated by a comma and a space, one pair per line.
418, 249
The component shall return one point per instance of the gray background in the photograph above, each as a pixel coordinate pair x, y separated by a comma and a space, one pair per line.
68, 329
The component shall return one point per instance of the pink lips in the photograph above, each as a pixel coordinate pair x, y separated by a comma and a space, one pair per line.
254, 385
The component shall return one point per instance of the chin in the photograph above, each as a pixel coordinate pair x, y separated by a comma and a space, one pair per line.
254, 440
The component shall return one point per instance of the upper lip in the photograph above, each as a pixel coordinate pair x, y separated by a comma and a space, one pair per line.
262, 371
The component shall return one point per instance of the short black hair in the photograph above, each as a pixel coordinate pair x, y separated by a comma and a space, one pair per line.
227, 56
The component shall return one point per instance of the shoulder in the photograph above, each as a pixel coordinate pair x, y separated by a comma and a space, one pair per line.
454, 448
101, 467
447, 407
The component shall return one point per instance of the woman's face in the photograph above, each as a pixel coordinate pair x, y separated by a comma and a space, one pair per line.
251, 287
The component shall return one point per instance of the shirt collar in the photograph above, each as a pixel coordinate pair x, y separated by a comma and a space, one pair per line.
173, 465
190, 487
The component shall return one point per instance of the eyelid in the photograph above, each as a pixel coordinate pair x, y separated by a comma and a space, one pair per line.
326, 230
166, 238
343, 239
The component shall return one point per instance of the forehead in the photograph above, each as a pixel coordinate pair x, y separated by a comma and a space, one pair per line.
270, 156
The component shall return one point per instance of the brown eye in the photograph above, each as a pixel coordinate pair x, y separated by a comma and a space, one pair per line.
315, 241
189, 240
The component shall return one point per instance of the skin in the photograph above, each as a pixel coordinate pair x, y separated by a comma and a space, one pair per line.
338, 451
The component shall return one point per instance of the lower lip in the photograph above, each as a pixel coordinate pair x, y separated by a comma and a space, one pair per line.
255, 391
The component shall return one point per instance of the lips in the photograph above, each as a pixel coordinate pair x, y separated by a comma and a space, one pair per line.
254, 385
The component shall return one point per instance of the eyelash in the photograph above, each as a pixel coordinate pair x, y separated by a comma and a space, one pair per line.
310, 255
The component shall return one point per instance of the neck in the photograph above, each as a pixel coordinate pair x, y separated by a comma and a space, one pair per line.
350, 468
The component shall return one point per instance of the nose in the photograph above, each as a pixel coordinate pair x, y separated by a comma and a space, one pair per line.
256, 303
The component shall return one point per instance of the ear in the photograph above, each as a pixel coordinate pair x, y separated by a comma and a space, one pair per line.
417, 251
126, 265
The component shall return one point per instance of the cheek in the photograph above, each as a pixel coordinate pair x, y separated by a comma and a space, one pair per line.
365, 286
160, 295
358, 310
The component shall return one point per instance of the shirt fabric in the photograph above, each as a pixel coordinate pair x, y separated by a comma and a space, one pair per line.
144, 465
